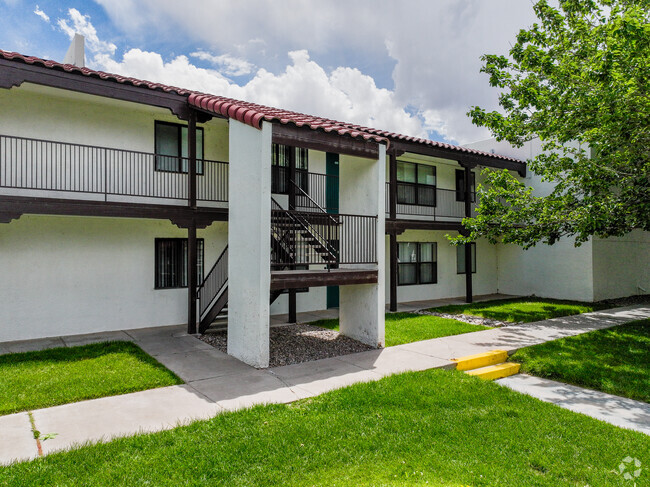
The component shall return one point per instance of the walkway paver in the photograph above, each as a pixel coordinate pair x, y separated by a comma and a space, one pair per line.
615, 410
110, 417
16, 440
217, 382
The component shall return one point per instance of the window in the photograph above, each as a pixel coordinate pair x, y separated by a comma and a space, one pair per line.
172, 148
416, 184
460, 185
280, 168
171, 262
417, 263
460, 258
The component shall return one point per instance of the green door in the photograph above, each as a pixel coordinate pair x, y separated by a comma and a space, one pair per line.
332, 202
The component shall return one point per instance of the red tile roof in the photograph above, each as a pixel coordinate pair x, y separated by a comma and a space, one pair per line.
250, 113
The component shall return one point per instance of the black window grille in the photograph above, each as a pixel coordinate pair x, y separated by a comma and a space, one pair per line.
171, 262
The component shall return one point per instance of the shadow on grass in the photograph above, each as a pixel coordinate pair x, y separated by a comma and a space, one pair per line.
83, 352
524, 310
33, 380
613, 360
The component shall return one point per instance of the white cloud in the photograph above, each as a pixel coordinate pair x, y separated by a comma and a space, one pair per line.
77, 23
232, 66
434, 45
42, 14
343, 93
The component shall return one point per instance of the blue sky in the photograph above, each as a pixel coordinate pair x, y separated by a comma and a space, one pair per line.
410, 66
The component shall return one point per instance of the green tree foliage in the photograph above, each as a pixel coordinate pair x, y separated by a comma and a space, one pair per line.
579, 80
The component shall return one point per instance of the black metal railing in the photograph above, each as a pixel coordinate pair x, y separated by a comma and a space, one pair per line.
447, 205
43, 165
317, 191
305, 238
213, 283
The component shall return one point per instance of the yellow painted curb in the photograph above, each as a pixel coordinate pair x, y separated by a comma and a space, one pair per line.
496, 371
481, 360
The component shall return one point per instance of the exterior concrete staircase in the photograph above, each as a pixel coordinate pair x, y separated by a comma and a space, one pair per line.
488, 365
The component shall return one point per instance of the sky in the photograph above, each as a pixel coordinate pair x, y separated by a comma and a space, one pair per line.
409, 66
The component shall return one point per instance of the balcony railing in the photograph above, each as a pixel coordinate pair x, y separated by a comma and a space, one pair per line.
446, 208
47, 166
306, 238
316, 191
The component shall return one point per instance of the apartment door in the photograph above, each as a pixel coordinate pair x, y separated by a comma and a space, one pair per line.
332, 202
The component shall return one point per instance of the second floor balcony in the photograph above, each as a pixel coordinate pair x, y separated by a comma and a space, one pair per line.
48, 169
434, 204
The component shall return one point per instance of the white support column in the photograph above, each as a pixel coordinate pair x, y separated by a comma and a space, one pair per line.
361, 192
249, 243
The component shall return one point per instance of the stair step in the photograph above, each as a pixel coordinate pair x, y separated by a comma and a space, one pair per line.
470, 362
498, 371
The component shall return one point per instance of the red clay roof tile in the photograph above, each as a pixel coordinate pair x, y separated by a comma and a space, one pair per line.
250, 113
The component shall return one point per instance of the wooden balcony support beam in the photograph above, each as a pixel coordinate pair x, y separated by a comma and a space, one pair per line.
461, 157
12, 207
323, 141
320, 278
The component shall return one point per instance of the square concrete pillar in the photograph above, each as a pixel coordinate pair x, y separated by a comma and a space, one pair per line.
249, 243
361, 192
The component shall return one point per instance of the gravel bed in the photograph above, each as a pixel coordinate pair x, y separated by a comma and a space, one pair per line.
472, 320
627, 301
294, 344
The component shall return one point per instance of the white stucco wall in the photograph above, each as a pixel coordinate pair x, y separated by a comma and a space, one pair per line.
71, 275
361, 307
621, 266
249, 243
559, 271
66, 116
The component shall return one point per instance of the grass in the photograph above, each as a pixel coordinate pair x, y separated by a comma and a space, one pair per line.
34, 380
408, 327
436, 427
523, 310
615, 360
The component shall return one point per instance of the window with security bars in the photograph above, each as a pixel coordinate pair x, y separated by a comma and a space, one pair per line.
417, 263
171, 262
280, 168
416, 184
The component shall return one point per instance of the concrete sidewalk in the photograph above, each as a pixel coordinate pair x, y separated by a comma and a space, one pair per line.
619, 411
216, 382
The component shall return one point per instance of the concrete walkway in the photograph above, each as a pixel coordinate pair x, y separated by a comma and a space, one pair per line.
216, 382
619, 411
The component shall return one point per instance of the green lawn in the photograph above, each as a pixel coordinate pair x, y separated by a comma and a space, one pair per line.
441, 427
615, 360
34, 380
520, 309
408, 327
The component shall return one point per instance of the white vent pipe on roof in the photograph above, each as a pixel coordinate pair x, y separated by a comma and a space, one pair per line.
76, 54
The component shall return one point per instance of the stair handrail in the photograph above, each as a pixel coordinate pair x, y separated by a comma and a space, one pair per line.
218, 285
322, 210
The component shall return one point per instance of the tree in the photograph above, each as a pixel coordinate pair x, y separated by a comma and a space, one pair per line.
579, 80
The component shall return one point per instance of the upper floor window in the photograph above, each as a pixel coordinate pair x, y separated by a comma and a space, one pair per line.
280, 168
416, 184
460, 185
172, 147
460, 258
417, 263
